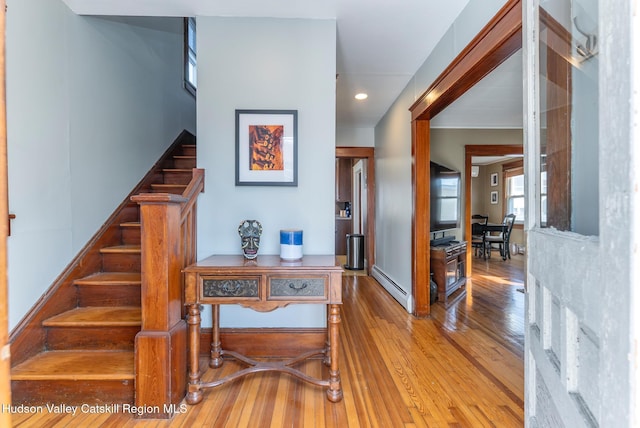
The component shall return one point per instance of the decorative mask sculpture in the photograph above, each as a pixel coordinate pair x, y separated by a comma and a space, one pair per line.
250, 231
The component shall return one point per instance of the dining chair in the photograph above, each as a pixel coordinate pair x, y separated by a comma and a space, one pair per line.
478, 234
502, 240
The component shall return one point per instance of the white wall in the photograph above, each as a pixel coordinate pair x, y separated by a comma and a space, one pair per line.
127, 105
355, 137
284, 64
92, 103
393, 147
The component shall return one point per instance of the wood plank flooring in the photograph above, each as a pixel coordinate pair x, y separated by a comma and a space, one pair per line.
463, 367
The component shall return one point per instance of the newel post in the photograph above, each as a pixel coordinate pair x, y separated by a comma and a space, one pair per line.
160, 346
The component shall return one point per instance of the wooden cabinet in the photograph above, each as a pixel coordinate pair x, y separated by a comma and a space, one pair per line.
343, 227
343, 179
448, 268
343, 194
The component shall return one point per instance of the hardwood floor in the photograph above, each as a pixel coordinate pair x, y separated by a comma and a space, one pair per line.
463, 367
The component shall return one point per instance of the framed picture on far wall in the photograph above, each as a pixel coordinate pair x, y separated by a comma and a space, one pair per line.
494, 179
494, 197
266, 147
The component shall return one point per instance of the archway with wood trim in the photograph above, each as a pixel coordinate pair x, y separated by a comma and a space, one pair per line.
494, 44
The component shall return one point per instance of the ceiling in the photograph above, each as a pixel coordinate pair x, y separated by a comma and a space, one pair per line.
380, 46
494, 102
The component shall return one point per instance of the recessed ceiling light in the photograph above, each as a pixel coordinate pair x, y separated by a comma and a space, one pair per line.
361, 96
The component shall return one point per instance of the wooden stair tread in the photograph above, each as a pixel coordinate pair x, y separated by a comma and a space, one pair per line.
97, 316
76, 365
133, 224
168, 185
130, 249
111, 278
184, 157
180, 170
163, 185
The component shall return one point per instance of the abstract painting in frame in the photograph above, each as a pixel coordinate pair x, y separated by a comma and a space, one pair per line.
266, 147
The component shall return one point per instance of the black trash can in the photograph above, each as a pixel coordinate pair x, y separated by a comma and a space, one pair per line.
355, 252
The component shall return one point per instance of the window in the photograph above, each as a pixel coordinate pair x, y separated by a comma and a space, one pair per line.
515, 197
514, 190
568, 71
190, 70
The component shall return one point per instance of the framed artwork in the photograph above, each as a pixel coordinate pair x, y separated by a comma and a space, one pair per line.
494, 197
494, 179
266, 147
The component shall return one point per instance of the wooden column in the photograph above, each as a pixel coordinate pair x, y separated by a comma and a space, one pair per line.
5, 355
420, 240
161, 345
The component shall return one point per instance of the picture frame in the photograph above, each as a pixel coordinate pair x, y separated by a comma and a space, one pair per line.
494, 197
494, 179
266, 147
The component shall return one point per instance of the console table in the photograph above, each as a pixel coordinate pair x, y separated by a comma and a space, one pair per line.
262, 284
448, 268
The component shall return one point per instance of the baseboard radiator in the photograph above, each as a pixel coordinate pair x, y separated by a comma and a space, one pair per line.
397, 292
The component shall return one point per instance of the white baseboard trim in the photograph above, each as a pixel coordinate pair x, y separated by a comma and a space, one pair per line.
397, 292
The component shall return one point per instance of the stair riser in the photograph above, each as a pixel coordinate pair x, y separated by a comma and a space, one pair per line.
173, 190
91, 338
188, 150
177, 177
184, 163
131, 235
118, 262
70, 392
130, 213
109, 295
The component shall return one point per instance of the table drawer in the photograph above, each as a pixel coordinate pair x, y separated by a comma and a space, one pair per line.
303, 288
230, 287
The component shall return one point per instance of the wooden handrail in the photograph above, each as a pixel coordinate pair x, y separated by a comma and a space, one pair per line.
194, 188
168, 244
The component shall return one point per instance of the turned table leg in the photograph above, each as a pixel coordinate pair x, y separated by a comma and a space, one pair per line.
326, 360
216, 347
334, 393
194, 394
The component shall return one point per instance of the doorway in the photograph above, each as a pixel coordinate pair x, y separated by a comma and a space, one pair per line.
474, 151
361, 178
359, 192
496, 42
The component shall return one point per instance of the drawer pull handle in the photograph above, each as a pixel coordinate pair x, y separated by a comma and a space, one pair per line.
298, 286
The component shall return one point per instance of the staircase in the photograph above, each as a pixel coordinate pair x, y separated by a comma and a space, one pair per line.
77, 344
